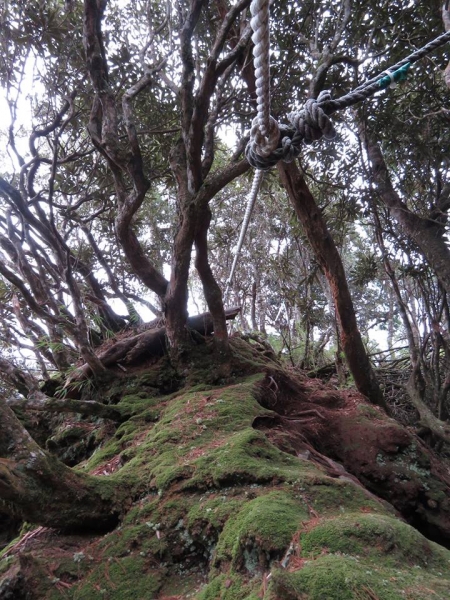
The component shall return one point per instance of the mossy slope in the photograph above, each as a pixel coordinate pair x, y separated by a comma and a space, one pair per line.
216, 511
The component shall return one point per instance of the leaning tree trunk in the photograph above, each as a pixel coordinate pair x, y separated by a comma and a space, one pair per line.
330, 262
42, 490
428, 233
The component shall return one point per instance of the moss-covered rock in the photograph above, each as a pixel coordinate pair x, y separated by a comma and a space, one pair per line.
260, 532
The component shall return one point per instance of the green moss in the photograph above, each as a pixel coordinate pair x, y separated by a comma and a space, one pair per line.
166, 471
341, 577
136, 404
6, 563
369, 411
125, 540
11, 582
142, 510
155, 528
212, 512
184, 444
230, 587
331, 497
154, 381
355, 555
260, 532
207, 492
248, 357
413, 462
182, 584
69, 435
111, 449
129, 578
247, 456
437, 493
71, 568
219, 406
328, 578
173, 510
373, 535
190, 421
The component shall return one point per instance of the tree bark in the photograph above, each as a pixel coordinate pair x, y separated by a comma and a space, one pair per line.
446, 20
151, 342
438, 428
211, 289
427, 233
330, 262
88, 408
176, 298
41, 489
33, 398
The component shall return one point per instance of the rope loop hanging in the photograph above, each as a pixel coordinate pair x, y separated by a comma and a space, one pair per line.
257, 180
265, 132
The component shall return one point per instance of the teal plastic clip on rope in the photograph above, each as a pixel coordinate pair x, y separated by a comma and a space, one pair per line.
392, 79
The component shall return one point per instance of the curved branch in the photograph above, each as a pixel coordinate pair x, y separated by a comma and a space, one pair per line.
426, 233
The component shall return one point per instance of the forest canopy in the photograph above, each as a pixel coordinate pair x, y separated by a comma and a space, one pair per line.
124, 181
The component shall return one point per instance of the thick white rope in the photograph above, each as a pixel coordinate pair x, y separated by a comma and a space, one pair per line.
264, 132
257, 180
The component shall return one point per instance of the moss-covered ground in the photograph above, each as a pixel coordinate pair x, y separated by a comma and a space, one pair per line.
216, 511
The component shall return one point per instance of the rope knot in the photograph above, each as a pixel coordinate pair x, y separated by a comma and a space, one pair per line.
311, 122
289, 148
264, 142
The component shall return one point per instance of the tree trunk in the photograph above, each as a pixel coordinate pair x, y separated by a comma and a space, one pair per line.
427, 233
42, 490
413, 342
211, 289
328, 257
253, 305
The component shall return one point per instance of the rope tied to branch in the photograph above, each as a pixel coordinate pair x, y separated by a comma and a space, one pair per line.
270, 141
309, 125
312, 121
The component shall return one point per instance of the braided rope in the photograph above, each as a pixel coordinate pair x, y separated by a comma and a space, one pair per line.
412, 58
257, 180
312, 121
264, 131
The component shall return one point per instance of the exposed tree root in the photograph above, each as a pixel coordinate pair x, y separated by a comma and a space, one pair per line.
151, 342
